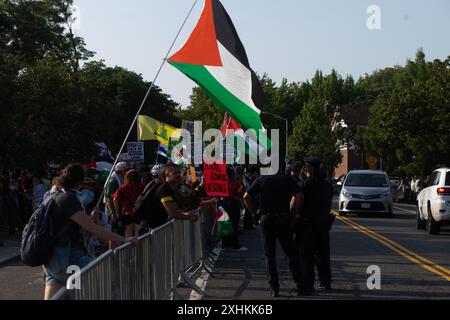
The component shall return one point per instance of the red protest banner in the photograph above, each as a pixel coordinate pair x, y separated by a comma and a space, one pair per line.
216, 180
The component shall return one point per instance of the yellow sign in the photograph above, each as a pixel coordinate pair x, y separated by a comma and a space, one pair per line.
152, 129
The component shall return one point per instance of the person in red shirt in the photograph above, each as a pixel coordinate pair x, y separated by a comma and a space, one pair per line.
232, 206
124, 199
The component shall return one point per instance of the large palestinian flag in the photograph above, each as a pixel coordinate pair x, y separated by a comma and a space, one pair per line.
215, 59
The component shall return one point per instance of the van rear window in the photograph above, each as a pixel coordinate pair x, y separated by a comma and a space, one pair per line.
447, 179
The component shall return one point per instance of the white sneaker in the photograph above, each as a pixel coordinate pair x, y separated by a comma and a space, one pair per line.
241, 249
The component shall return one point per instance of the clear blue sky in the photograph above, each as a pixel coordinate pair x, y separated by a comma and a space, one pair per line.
285, 38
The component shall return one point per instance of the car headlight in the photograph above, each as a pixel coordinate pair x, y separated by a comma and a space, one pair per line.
346, 194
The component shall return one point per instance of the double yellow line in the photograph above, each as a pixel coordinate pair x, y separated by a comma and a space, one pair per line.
394, 246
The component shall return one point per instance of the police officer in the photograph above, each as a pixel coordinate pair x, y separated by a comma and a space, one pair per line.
277, 194
313, 227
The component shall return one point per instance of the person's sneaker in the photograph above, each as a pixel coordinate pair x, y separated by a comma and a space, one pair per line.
305, 292
241, 249
275, 293
325, 287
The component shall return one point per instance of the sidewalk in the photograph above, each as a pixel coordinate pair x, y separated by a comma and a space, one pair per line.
242, 275
10, 252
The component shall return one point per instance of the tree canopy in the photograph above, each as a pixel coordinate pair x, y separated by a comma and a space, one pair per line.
55, 100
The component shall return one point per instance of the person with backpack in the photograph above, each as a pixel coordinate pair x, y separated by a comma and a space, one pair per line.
158, 203
56, 241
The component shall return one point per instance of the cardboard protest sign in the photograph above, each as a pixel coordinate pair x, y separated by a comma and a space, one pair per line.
216, 180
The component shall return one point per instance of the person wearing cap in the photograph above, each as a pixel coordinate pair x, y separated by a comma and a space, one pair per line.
114, 183
296, 171
312, 227
279, 199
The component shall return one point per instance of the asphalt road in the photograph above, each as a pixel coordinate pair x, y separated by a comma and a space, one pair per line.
413, 265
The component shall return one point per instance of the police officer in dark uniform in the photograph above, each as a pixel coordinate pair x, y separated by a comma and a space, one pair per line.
313, 227
279, 194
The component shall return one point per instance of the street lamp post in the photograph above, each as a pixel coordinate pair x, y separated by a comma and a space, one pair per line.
287, 132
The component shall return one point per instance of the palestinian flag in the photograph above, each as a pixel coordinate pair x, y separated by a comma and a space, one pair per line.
98, 171
215, 59
230, 126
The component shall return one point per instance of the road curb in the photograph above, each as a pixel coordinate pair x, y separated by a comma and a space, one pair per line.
9, 260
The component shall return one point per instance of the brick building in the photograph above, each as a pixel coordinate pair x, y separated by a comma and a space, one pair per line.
343, 117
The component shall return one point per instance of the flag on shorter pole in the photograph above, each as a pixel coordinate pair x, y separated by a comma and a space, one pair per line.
152, 129
163, 150
223, 227
251, 146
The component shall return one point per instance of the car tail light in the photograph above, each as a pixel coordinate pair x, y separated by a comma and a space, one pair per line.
443, 191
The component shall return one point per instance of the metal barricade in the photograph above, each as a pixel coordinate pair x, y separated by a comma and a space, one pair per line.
198, 241
95, 281
178, 252
149, 271
134, 270
162, 262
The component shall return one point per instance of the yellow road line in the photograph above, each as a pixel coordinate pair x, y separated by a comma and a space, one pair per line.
407, 254
400, 247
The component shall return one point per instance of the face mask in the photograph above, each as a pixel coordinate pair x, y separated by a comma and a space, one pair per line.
86, 197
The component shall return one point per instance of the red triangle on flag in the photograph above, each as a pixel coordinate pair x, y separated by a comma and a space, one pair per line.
201, 47
229, 124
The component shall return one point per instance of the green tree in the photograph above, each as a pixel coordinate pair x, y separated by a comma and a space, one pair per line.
408, 127
313, 136
35, 29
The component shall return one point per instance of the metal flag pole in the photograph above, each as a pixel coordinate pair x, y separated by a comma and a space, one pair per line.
145, 100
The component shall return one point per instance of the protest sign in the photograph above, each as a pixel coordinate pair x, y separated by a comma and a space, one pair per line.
216, 180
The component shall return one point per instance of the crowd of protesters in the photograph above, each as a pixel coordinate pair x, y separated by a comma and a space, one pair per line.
20, 194
102, 218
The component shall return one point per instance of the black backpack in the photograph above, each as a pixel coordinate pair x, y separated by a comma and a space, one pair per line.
38, 237
144, 203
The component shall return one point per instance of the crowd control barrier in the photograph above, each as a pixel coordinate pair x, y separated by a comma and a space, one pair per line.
152, 270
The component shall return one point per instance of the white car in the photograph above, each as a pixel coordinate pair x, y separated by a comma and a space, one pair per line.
433, 202
366, 191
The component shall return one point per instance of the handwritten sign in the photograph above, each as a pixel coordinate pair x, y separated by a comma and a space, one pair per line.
136, 151
216, 180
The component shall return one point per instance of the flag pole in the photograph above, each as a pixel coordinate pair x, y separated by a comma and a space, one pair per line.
145, 100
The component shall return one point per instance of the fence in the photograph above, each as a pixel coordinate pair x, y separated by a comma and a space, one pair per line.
163, 259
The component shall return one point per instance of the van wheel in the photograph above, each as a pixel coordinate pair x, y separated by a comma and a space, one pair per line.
432, 225
421, 224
